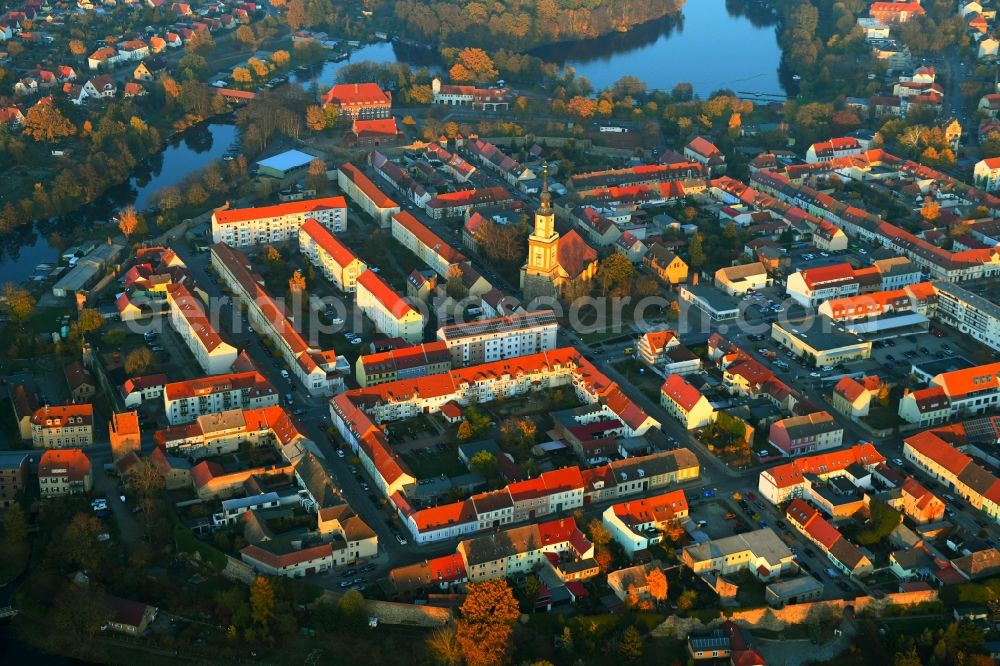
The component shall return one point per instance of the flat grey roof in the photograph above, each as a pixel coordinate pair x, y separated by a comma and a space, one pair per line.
716, 298
975, 300
793, 587
820, 332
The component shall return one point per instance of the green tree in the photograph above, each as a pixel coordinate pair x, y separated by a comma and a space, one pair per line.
351, 609
696, 252
484, 463
630, 646
262, 601
883, 519
615, 273
138, 361
15, 526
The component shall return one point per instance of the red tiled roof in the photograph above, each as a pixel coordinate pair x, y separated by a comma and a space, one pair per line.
61, 416
680, 391
790, 474
326, 240
428, 238
252, 383
383, 126
365, 184
656, 509
657, 340
573, 253
190, 308
385, 294
71, 463
827, 275
357, 94
931, 446
276, 561
960, 383
849, 388
279, 210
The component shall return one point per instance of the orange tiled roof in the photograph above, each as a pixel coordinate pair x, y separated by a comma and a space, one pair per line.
60, 416
279, 210
339, 252
364, 183
71, 463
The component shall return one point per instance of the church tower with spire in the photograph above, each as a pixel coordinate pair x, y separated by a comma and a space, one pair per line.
540, 272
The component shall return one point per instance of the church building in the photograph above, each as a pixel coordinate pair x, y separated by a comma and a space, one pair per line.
554, 261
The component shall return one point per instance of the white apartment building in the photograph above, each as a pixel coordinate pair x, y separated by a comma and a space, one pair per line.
320, 371
214, 355
366, 194
390, 312
339, 265
240, 227
491, 340
970, 313
427, 245
184, 402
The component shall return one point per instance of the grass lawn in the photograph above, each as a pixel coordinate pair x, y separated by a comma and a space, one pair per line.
641, 376
428, 465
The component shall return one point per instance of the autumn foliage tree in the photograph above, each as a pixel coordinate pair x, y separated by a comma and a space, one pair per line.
128, 221
44, 122
315, 118
485, 623
138, 361
657, 583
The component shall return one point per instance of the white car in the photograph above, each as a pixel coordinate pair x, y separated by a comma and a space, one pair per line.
337, 321
356, 341
284, 374
340, 453
815, 374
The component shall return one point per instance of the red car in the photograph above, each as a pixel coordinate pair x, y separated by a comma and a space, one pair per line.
937, 332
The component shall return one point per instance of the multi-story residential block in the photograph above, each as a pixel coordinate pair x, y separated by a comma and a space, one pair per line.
969, 391
64, 472
13, 476
427, 245
240, 227
842, 553
639, 523
663, 351
812, 286
834, 148
806, 434
366, 194
920, 298
794, 479
359, 100
970, 313
760, 552
187, 317
686, 403
458, 204
320, 371
429, 358
339, 265
390, 312
491, 340
185, 401
62, 427
223, 432
521, 549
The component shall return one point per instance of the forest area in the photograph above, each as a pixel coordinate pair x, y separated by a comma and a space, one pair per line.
519, 24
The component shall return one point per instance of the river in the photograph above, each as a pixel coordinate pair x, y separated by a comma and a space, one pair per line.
24, 248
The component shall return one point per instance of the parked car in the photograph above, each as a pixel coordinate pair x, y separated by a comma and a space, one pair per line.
400, 539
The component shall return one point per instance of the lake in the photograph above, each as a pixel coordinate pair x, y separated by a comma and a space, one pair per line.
24, 248
711, 44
